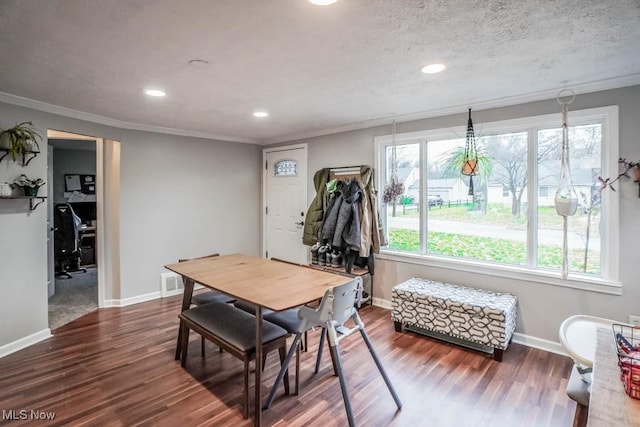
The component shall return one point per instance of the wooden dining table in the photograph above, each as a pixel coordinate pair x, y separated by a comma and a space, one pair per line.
265, 283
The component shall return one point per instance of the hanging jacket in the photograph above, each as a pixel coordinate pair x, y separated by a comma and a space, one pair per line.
315, 214
331, 215
378, 234
347, 230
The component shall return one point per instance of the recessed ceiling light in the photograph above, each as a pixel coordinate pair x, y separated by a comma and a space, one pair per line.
261, 114
323, 2
155, 92
432, 68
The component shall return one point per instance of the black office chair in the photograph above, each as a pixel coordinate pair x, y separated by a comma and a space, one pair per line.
65, 240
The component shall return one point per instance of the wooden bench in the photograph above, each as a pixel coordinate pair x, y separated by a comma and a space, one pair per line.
468, 314
233, 330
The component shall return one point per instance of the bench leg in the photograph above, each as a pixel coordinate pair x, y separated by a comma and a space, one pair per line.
246, 389
202, 347
399, 326
184, 345
497, 354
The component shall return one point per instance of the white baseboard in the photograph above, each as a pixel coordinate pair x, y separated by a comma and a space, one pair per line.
539, 343
518, 338
132, 300
21, 343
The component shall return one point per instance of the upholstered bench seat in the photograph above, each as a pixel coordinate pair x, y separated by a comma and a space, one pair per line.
469, 314
233, 330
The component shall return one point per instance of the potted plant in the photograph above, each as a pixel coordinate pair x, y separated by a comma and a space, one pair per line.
21, 138
29, 186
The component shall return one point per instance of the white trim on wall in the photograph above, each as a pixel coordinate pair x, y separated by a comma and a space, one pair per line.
24, 342
132, 300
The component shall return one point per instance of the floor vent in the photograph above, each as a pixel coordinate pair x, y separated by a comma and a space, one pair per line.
170, 284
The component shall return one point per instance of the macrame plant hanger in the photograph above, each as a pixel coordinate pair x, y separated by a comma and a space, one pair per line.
394, 187
566, 199
470, 160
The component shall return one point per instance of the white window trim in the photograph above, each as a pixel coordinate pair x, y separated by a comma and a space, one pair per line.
608, 283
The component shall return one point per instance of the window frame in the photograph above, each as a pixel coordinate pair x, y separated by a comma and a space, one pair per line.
607, 282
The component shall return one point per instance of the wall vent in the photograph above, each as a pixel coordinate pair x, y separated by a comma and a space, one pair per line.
170, 284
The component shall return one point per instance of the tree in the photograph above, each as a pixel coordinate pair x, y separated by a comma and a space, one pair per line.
509, 154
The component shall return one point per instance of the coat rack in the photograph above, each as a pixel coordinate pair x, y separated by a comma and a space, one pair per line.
344, 172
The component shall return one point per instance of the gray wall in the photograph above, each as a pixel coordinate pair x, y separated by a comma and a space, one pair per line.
182, 197
179, 197
71, 162
541, 307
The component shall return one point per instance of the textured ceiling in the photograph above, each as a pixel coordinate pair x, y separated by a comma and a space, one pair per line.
314, 69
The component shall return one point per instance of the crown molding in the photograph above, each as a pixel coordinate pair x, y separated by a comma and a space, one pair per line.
582, 88
107, 121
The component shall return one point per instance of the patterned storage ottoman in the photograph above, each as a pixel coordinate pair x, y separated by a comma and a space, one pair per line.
469, 314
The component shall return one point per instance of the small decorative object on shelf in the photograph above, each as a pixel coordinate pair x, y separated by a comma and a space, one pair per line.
20, 141
29, 186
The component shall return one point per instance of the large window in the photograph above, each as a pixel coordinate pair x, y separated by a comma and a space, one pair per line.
510, 220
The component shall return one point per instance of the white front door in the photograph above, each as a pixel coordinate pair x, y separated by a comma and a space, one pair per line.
285, 203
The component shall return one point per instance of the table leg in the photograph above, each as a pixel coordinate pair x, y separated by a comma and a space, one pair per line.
186, 303
258, 399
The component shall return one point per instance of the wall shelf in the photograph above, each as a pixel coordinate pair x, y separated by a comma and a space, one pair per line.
34, 201
26, 156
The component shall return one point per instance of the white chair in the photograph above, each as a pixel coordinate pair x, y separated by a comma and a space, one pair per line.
336, 307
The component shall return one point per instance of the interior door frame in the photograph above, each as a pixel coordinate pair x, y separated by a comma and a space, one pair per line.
265, 170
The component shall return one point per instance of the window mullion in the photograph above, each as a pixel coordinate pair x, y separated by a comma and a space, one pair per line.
532, 198
424, 199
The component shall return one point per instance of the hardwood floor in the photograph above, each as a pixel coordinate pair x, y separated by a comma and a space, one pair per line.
115, 367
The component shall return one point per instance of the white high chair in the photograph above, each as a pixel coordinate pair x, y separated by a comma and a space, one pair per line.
578, 337
336, 307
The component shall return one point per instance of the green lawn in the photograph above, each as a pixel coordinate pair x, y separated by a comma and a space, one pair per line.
499, 214
491, 249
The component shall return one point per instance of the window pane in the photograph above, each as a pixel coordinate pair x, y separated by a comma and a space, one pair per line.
489, 225
402, 201
285, 168
585, 150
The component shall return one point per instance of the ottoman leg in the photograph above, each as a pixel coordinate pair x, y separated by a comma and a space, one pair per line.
399, 326
497, 354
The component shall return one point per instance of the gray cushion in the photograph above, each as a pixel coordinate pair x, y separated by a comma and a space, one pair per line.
577, 389
232, 325
250, 308
287, 319
211, 296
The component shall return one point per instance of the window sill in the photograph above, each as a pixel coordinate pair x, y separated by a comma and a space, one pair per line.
592, 284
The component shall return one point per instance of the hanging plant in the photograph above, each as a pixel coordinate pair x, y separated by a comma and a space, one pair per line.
394, 188
470, 159
20, 139
392, 191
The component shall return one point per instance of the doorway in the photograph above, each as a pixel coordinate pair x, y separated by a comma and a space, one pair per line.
285, 202
72, 223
